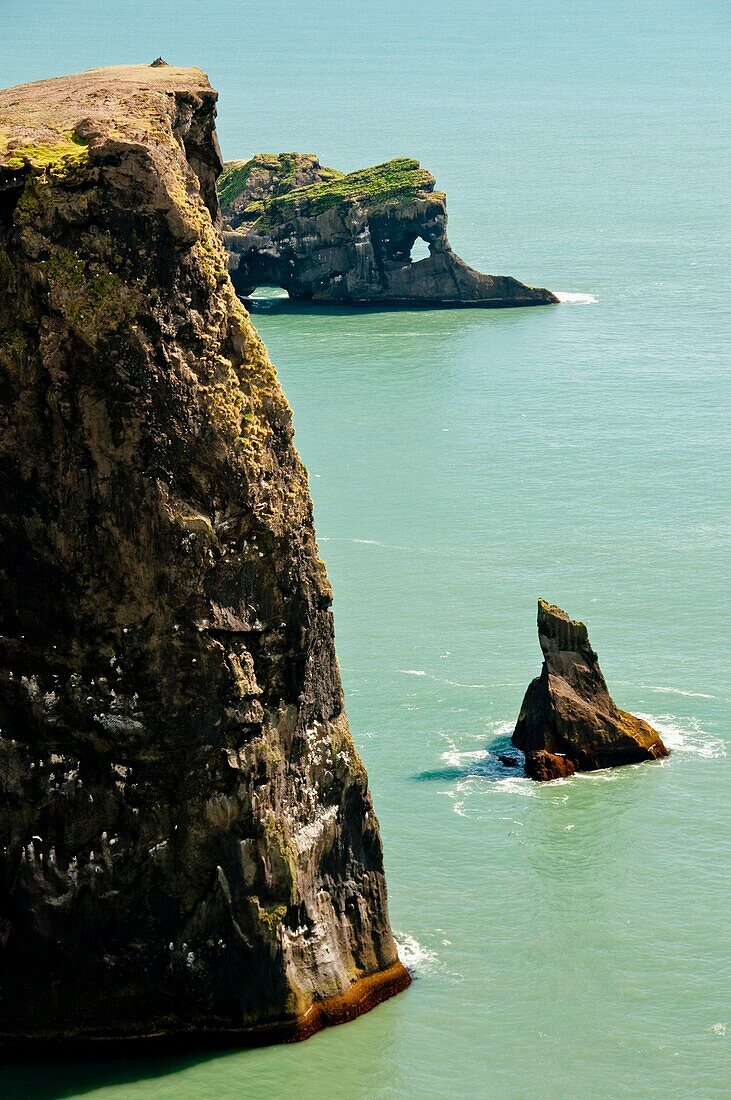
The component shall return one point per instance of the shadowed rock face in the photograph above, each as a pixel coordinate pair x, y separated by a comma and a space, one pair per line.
187, 839
329, 237
568, 721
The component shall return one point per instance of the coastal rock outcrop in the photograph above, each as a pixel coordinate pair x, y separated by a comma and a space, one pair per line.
568, 721
187, 839
325, 236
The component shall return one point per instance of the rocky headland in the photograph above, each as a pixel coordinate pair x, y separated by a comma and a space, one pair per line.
568, 721
188, 845
326, 236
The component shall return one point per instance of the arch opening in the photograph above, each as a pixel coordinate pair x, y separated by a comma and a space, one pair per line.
266, 292
420, 250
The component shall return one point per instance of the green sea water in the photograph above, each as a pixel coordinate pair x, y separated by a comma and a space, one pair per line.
569, 940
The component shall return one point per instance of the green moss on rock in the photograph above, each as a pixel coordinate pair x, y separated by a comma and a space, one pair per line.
281, 168
56, 159
395, 181
90, 301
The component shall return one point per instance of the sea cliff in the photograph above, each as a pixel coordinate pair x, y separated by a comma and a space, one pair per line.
187, 838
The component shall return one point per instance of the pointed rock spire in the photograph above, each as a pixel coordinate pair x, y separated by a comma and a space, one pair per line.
568, 721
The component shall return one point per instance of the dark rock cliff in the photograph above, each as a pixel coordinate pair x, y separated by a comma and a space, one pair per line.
329, 237
568, 721
187, 839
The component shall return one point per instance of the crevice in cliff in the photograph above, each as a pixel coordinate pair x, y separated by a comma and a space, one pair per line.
11, 188
194, 127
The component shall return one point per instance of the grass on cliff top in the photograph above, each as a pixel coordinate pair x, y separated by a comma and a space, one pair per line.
282, 166
392, 182
395, 181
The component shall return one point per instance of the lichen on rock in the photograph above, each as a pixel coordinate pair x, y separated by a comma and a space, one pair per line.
328, 236
187, 838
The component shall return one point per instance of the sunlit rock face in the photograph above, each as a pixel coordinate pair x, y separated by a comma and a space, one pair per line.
187, 839
329, 237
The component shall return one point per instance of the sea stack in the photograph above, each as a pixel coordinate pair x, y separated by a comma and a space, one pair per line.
328, 236
188, 845
568, 721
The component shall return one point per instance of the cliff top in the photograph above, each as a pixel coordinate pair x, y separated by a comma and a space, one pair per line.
558, 632
395, 181
55, 120
242, 181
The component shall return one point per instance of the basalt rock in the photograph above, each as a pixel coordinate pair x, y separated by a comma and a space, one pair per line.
187, 839
568, 721
328, 237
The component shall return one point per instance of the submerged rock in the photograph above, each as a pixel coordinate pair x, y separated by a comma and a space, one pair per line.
568, 721
187, 839
328, 237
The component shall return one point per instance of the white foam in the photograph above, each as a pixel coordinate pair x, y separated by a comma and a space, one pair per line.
459, 757
456, 758
458, 804
574, 298
502, 781
441, 679
604, 775
441, 552
416, 959
485, 772
502, 729
684, 735
679, 691
516, 784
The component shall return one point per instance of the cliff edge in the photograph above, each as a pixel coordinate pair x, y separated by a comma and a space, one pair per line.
326, 236
187, 839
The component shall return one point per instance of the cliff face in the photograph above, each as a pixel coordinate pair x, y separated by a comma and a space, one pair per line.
568, 721
187, 840
329, 237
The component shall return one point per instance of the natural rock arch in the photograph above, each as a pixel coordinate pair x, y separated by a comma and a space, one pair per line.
371, 236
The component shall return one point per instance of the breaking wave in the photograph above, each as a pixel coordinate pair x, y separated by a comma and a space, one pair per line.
574, 298
416, 959
478, 771
471, 768
685, 736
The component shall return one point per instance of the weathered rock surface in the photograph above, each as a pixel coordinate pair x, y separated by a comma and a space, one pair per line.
329, 237
187, 839
568, 721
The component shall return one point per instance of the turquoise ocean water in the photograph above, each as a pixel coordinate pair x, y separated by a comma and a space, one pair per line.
571, 940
